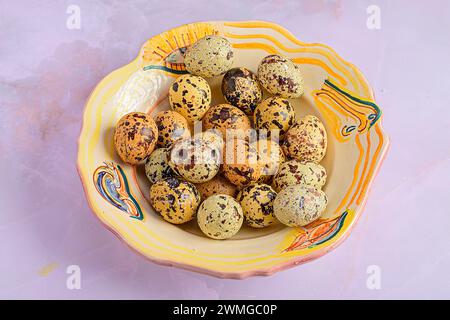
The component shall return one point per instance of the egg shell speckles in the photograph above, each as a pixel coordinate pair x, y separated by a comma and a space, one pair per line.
299, 205
241, 163
217, 185
135, 137
295, 172
306, 140
270, 158
257, 204
212, 136
190, 96
209, 57
157, 165
241, 88
195, 160
225, 117
172, 126
220, 216
274, 113
281, 76
176, 200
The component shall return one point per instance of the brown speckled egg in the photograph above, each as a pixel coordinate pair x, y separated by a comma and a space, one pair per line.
270, 158
157, 165
209, 57
195, 160
172, 126
257, 203
240, 162
299, 205
274, 114
190, 96
281, 76
306, 140
176, 200
295, 172
225, 117
135, 137
220, 216
212, 136
217, 185
240, 88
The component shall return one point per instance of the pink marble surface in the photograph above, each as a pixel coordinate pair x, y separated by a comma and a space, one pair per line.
47, 72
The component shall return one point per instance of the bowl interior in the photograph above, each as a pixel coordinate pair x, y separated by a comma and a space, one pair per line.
305, 105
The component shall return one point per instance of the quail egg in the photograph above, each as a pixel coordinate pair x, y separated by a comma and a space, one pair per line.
240, 88
172, 126
227, 119
157, 165
135, 137
209, 57
217, 185
220, 216
270, 158
306, 140
241, 162
274, 114
299, 205
257, 204
176, 200
281, 76
195, 160
295, 172
212, 136
190, 96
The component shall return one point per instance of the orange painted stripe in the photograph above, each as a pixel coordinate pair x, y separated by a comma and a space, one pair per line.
372, 166
342, 107
277, 43
355, 102
361, 119
339, 96
271, 50
332, 119
321, 64
363, 174
355, 175
291, 37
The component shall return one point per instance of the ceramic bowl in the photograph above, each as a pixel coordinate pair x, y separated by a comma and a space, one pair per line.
336, 92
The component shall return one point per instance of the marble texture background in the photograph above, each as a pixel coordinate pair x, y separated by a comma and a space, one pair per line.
47, 72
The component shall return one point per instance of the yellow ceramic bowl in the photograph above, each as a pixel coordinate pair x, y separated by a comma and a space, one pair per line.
336, 92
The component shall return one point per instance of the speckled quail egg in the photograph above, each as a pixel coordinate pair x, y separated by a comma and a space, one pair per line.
210, 56
212, 136
172, 126
281, 76
226, 118
195, 160
270, 158
299, 205
240, 162
217, 185
240, 88
295, 172
257, 204
306, 140
135, 137
220, 216
274, 114
190, 96
176, 200
157, 165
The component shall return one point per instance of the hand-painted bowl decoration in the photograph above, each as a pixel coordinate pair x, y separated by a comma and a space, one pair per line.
335, 91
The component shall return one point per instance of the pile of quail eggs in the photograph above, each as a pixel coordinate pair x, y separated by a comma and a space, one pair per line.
223, 177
